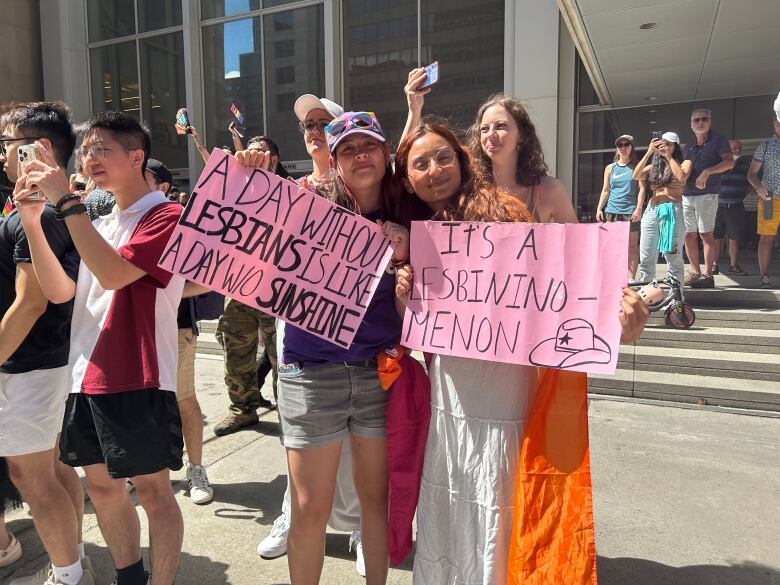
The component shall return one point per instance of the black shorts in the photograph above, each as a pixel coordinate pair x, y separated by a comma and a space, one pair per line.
730, 222
635, 225
134, 433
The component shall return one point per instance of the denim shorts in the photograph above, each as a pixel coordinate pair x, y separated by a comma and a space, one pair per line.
321, 403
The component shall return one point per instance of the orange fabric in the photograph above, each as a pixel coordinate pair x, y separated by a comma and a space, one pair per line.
553, 541
389, 366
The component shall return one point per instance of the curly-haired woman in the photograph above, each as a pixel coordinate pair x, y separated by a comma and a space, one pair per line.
507, 151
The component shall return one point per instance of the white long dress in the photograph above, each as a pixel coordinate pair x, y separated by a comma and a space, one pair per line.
464, 515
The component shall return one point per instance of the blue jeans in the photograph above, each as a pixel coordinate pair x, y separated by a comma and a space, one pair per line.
648, 244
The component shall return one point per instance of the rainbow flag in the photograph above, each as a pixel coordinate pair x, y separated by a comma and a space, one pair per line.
7, 208
237, 113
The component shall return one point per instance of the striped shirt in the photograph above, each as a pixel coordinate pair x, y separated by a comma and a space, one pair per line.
703, 157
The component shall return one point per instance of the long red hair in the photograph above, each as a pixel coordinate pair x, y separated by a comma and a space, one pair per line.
478, 199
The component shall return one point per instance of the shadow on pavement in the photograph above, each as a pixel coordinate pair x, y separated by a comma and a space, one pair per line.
622, 571
252, 500
192, 569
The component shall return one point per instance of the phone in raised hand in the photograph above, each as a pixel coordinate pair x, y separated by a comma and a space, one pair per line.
183, 122
27, 154
431, 75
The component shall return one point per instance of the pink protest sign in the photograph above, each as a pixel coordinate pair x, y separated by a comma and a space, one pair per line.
538, 294
266, 242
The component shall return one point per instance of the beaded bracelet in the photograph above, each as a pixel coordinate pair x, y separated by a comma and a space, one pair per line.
64, 199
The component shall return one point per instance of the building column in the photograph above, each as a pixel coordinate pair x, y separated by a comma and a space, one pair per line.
539, 70
64, 55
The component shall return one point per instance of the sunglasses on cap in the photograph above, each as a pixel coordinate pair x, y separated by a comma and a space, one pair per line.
363, 120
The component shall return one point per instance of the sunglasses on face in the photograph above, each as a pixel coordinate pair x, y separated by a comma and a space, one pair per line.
443, 158
310, 127
4, 146
623, 144
702, 119
359, 120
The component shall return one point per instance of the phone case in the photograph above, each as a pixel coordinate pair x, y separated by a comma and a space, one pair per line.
27, 153
432, 72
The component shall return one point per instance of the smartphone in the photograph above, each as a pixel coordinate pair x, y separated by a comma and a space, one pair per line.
657, 135
27, 154
432, 75
183, 122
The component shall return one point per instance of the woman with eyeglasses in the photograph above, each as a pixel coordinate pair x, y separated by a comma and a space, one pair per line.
623, 196
479, 408
663, 223
328, 394
314, 114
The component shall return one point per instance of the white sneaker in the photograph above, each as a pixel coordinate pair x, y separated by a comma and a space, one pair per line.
46, 576
12, 553
198, 482
360, 563
275, 544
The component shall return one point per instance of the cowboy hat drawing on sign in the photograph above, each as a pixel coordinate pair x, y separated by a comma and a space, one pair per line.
575, 344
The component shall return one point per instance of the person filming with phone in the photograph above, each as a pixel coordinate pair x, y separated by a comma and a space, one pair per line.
663, 227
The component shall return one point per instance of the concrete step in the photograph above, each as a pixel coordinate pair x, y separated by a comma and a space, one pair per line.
691, 389
733, 297
730, 317
729, 364
713, 339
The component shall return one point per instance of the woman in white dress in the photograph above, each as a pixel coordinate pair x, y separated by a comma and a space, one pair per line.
479, 408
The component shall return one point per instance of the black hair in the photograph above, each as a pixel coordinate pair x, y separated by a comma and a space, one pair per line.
660, 171
124, 128
45, 119
274, 149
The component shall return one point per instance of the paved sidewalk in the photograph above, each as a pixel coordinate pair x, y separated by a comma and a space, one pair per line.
682, 497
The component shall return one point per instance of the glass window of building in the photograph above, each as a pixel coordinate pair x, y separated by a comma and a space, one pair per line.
216, 8
745, 118
114, 74
110, 20
162, 83
380, 48
469, 44
372, 81
232, 74
303, 71
157, 14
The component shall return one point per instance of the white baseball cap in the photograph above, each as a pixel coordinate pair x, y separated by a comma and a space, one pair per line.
308, 102
670, 137
624, 137
777, 107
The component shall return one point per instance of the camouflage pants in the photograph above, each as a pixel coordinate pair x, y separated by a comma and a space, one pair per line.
237, 333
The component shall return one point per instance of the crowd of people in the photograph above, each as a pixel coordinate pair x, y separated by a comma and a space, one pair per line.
98, 343
696, 192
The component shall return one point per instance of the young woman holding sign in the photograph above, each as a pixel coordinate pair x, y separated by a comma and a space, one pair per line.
328, 394
314, 114
479, 408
